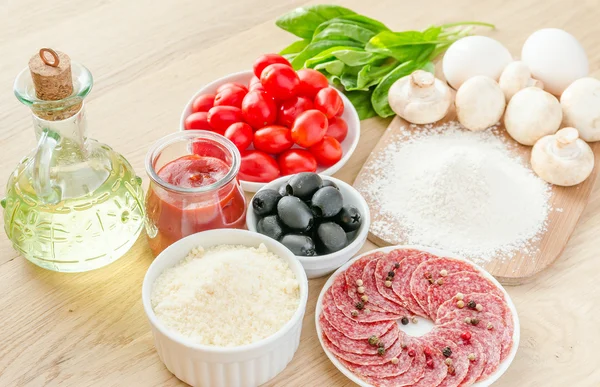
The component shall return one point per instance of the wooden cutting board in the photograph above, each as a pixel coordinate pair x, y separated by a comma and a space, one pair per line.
520, 267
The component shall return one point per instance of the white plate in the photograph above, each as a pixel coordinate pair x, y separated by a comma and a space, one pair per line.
484, 383
350, 116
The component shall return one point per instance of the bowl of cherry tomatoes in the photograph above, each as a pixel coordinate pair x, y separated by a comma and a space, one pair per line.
283, 121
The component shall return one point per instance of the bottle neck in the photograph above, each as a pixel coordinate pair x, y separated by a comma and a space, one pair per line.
70, 132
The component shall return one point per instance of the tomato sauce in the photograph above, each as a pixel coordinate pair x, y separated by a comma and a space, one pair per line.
174, 214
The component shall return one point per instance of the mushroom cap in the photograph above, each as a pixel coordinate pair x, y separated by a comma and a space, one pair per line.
581, 107
479, 103
532, 114
474, 55
516, 76
562, 158
420, 98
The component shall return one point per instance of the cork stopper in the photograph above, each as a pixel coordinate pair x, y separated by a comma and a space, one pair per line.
51, 74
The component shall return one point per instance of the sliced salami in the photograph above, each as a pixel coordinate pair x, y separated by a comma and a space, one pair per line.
386, 264
349, 327
363, 311
461, 282
449, 342
409, 378
429, 272
401, 282
374, 297
435, 369
361, 346
477, 361
354, 273
490, 303
366, 360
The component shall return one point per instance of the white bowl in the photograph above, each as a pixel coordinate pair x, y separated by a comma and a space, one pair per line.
350, 116
484, 383
321, 265
210, 366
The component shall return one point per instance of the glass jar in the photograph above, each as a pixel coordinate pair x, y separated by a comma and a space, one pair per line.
174, 211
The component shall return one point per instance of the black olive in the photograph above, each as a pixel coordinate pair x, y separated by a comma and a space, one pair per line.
329, 183
282, 190
294, 213
331, 236
349, 218
299, 244
304, 185
327, 202
265, 202
270, 226
351, 235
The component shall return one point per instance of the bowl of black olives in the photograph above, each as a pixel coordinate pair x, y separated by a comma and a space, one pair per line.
322, 220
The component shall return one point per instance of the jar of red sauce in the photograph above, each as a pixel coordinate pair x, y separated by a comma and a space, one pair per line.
193, 187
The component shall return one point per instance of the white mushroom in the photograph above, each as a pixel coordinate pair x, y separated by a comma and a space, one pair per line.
562, 158
479, 103
581, 107
516, 76
420, 98
532, 114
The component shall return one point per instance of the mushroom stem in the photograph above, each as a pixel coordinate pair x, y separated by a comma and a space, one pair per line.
421, 84
565, 145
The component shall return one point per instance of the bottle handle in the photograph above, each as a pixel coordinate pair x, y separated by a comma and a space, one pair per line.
42, 182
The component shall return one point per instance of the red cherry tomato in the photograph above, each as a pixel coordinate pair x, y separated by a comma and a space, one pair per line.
259, 109
222, 117
258, 166
231, 96
291, 108
268, 59
295, 161
280, 81
254, 82
197, 121
309, 128
328, 101
311, 81
273, 139
240, 135
203, 103
337, 128
230, 85
327, 152
341, 111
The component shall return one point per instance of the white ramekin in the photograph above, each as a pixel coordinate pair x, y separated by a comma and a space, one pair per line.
210, 366
321, 265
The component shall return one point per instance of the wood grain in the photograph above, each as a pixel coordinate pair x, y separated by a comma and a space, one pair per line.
148, 58
566, 203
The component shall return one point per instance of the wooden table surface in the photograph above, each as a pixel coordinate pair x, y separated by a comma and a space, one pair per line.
148, 58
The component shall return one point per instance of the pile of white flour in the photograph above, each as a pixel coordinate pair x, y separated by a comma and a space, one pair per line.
462, 191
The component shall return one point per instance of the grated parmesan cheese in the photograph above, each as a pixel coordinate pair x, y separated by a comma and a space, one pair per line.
226, 295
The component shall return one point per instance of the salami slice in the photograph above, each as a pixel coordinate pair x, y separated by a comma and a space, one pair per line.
354, 273
432, 270
361, 346
401, 282
386, 264
364, 313
489, 302
409, 378
367, 360
434, 372
349, 327
459, 351
461, 282
374, 297
476, 362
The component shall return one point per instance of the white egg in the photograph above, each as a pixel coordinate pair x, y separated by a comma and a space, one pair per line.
472, 56
556, 58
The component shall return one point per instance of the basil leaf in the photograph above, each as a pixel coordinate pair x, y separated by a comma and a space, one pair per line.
362, 103
316, 48
328, 55
333, 67
403, 46
303, 21
379, 98
364, 21
295, 47
356, 57
372, 74
343, 31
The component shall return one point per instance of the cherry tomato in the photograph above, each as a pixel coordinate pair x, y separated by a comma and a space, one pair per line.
341, 111
273, 139
258, 166
328, 101
311, 81
259, 109
327, 152
280, 81
221, 117
268, 59
337, 128
291, 108
295, 161
240, 135
231, 96
309, 128
203, 103
230, 85
254, 83
197, 121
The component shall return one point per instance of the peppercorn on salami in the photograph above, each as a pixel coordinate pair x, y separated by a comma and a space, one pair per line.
368, 307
